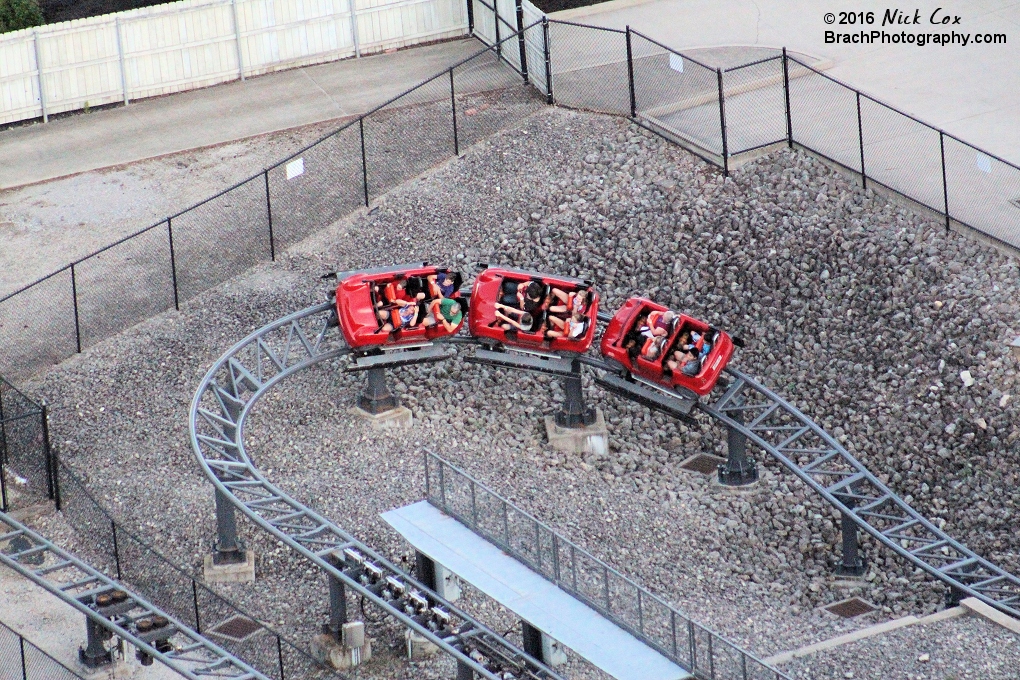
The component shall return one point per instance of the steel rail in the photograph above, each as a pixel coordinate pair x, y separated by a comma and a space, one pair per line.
818, 459
77, 584
218, 414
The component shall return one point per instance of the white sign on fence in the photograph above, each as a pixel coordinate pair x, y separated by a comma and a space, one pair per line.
676, 62
984, 162
295, 168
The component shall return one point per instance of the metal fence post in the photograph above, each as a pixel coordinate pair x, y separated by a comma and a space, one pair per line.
548, 61
722, 123
630, 76
116, 548
44, 415
173, 261
279, 655
39, 71
364, 159
57, 501
495, 13
786, 89
354, 29
24, 666
860, 140
3, 484
120, 56
471, 16
237, 38
74, 298
269, 215
453, 108
945, 184
194, 601
520, 40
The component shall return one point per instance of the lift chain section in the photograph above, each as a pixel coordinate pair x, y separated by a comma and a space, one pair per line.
111, 609
817, 458
227, 393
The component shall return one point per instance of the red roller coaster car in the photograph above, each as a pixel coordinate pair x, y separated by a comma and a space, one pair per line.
562, 311
369, 305
649, 359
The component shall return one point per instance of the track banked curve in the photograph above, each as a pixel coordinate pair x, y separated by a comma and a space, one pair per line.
245, 372
218, 412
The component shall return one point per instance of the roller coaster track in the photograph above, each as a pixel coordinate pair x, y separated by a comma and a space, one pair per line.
255, 364
218, 413
822, 463
108, 605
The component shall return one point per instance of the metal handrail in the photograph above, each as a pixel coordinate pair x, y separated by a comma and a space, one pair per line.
680, 625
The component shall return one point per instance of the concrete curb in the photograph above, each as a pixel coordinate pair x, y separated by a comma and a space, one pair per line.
870, 631
989, 613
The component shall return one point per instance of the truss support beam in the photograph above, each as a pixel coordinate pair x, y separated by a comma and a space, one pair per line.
377, 397
738, 470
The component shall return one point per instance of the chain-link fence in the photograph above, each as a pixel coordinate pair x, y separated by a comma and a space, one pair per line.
21, 660
578, 572
170, 262
26, 470
120, 554
717, 112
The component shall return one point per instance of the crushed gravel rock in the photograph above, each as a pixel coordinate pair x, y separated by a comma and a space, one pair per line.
952, 649
863, 313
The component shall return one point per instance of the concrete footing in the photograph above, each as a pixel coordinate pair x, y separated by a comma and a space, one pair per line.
238, 572
352, 650
592, 438
399, 417
418, 647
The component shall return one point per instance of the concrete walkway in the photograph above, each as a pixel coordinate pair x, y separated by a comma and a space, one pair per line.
970, 91
228, 112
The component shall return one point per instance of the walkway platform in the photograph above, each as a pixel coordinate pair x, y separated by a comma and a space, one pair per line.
529, 595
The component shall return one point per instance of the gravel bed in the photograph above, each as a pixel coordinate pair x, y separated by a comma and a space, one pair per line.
861, 312
952, 649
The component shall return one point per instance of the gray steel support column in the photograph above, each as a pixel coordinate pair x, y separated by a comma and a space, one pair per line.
228, 548
738, 469
852, 564
95, 653
377, 397
532, 640
574, 412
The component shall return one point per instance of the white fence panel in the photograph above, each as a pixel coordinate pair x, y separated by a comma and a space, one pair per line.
19, 79
196, 43
80, 64
275, 33
192, 47
534, 43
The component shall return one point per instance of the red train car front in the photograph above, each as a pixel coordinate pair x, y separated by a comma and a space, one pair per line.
670, 349
533, 311
399, 306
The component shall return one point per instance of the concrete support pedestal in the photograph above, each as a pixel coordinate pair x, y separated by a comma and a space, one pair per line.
229, 561
351, 650
420, 648
593, 438
230, 572
398, 417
